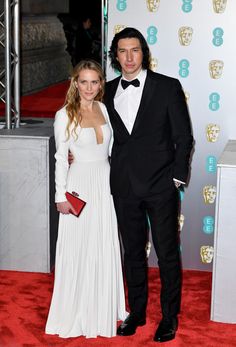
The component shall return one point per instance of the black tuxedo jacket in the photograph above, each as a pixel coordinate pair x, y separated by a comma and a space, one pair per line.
159, 147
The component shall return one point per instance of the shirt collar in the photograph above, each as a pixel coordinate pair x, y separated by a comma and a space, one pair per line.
141, 76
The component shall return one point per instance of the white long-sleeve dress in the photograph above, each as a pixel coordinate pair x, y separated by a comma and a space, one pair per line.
88, 296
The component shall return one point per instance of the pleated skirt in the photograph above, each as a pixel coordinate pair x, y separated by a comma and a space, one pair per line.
88, 296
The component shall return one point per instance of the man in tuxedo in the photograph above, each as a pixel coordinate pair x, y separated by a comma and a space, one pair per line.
149, 161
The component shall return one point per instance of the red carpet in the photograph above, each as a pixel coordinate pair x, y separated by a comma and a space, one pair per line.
25, 299
42, 104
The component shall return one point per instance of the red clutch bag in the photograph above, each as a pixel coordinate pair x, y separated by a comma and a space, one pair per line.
76, 202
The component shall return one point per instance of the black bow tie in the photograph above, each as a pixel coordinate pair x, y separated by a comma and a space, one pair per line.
125, 83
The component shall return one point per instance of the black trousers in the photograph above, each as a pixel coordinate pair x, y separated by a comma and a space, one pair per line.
163, 210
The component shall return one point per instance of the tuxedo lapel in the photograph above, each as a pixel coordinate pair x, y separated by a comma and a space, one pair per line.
112, 91
147, 95
110, 103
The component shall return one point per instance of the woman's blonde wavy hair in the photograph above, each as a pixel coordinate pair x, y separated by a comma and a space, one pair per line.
72, 100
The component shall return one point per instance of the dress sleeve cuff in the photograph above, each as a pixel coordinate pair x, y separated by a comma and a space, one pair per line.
60, 198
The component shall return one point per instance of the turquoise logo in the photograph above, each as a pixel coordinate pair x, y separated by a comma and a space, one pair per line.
184, 65
121, 5
214, 101
218, 37
181, 194
187, 6
211, 164
148, 222
117, 72
208, 224
152, 35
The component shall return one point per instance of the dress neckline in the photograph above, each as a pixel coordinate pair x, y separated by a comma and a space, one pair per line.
101, 125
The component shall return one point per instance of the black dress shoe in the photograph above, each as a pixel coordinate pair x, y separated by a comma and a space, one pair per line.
166, 330
130, 324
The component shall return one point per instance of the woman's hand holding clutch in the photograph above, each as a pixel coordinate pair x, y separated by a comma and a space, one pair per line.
65, 207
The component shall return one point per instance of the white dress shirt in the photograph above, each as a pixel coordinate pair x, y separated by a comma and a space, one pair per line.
127, 100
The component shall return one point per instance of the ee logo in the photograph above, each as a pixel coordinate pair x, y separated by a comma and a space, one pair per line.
217, 37
187, 6
184, 65
208, 225
117, 72
121, 5
211, 164
152, 35
181, 194
214, 101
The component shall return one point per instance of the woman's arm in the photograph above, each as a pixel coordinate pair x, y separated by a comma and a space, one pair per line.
106, 115
61, 155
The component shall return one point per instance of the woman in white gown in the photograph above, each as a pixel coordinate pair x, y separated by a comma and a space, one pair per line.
88, 296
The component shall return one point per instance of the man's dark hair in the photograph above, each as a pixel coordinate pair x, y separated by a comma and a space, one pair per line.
124, 34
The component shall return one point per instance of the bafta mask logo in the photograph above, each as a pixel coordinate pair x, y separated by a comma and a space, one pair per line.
216, 68
181, 221
209, 194
153, 5
206, 253
153, 64
185, 35
187, 95
118, 28
219, 6
212, 132
148, 248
